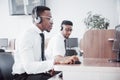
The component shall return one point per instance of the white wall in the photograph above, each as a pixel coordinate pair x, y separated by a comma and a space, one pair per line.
118, 9
11, 26
74, 10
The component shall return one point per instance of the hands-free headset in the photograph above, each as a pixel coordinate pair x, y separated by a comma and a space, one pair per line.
37, 19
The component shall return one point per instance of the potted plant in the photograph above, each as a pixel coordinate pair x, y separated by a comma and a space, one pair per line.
96, 21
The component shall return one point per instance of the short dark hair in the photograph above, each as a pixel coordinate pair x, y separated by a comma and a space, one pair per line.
38, 10
66, 22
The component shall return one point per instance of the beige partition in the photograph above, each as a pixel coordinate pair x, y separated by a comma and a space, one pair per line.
96, 44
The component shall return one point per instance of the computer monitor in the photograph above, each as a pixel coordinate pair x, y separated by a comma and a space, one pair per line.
71, 42
116, 44
3, 43
71, 45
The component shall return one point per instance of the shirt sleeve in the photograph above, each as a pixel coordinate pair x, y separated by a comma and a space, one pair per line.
55, 47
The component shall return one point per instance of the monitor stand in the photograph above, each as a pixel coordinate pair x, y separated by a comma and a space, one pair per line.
117, 58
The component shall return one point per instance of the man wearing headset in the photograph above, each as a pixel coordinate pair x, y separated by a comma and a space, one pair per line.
30, 63
56, 45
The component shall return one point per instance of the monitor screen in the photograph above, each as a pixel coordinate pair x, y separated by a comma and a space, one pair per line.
3, 42
72, 42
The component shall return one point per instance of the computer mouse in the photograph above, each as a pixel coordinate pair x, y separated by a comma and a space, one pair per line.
77, 62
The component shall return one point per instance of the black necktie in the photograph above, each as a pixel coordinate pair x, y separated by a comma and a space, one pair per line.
42, 46
65, 45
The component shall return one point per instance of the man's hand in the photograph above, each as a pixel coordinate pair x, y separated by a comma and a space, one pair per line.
74, 58
66, 60
51, 72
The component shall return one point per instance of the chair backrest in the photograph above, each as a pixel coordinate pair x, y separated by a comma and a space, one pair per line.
6, 63
1, 76
116, 42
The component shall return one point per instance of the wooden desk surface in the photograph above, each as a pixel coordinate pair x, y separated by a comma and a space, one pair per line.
100, 62
96, 62
92, 64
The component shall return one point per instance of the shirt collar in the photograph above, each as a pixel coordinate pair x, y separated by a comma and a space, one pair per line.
37, 29
62, 35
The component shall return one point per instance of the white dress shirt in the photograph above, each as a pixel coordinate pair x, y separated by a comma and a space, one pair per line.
56, 46
28, 54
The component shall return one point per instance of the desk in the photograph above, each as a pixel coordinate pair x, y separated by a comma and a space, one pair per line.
95, 44
91, 69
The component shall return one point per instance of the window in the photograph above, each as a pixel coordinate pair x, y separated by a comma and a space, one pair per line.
22, 7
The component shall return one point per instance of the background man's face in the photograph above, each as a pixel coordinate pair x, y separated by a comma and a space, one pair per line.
67, 29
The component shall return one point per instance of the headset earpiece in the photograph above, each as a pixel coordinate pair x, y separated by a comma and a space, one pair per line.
37, 18
61, 27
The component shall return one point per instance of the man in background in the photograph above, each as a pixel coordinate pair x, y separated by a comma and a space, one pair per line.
57, 46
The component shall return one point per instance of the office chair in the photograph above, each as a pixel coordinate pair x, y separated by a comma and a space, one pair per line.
1, 77
6, 63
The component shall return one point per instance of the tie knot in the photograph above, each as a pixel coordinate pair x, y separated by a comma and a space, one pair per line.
42, 35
